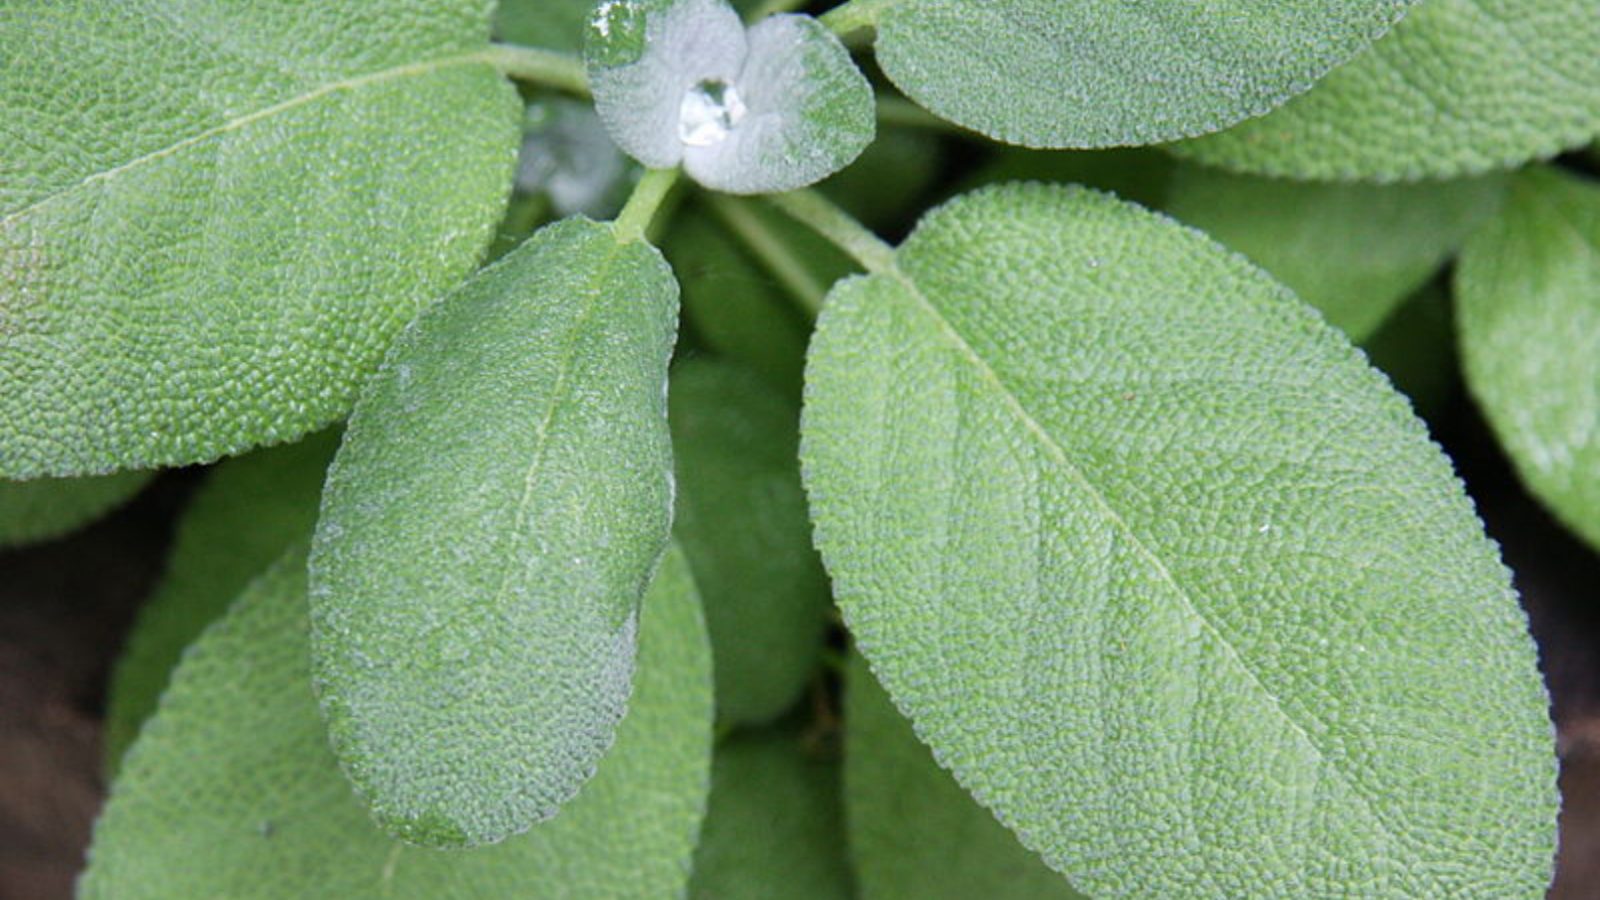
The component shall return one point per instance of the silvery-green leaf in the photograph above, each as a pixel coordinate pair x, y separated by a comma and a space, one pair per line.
915, 832
1528, 307
231, 790
1460, 87
771, 108
1104, 73
45, 508
774, 829
501, 497
741, 520
1162, 569
1354, 251
248, 512
214, 217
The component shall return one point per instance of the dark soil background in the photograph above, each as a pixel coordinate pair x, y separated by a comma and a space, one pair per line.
65, 606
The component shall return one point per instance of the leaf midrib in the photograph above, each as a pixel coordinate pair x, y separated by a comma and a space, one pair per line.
1055, 450
425, 67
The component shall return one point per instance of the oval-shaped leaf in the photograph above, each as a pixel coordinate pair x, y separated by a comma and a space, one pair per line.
1528, 301
1460, 87
1108, 73
774, 829
915, 832
502, 495
215, 217
1163, 570
249, 511
1354, 251
772, 107
231, 790
45, 508
741, 520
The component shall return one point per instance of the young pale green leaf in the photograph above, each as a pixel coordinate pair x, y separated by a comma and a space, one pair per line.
1354, 251
741, 520
45, 508
249, 511
772, 107
1106, 73
1460, 87
914, 832
502, 495
774, 829
1528, 307
231, 790
1164, 572
214, 218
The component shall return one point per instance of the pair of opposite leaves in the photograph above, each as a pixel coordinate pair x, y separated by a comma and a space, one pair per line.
1137, 559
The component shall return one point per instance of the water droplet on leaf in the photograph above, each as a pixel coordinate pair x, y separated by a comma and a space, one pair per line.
709, 111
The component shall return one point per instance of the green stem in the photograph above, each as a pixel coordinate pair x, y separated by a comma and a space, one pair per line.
775, 255
818, 213
855, 15
547, 68
643, 203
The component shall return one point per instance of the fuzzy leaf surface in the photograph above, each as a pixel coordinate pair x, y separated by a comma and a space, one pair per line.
249, 511
503, 493
1161, 568
742, 522
774, 828
1528, 307
1460, 87
43, 508
1108, 73
915, 832
1354, 251
215, 217
231, 791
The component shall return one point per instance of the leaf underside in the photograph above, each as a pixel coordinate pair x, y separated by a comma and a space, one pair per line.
1161, 568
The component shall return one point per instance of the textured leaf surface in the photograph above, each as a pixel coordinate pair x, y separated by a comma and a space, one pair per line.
231, 790
772, 107
204, 208
742, 521
1162, 569
44, 508
1108, 73
915, 832
1459, 87
1354, 251
249, 511
502, 495
1528, 302
553, 24
774, 829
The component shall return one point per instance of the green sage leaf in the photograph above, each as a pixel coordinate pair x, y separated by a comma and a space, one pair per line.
774, 829
1528, 307
231, 790
1354, 251
1460, 87
501, 497
247, 514
1162, 569
741, 520
45, 508
552, 24
215, 217
1108, 73
915, 832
